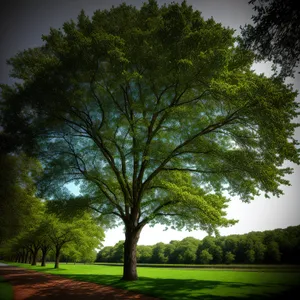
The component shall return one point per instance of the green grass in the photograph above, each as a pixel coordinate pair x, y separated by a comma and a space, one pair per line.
6, 292
177, 284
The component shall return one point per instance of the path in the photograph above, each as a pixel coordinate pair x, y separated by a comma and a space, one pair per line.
31, 285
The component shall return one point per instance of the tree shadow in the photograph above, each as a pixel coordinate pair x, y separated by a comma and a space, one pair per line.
175, 289
180, 289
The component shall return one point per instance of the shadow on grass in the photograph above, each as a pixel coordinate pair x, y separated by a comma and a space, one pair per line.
177, 289
6, 292
163, 288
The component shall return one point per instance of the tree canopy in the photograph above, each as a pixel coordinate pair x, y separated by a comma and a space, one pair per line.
18, 204
155, 113
51, 236
275, 34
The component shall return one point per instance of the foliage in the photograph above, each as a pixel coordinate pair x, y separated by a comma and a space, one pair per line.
205, 257
144, 254
267, 247
229, 257
275, 33
18, 205
76, 239
158, 253
117, 253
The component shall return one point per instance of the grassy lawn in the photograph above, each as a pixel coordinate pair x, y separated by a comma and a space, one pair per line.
6, 292
172, 283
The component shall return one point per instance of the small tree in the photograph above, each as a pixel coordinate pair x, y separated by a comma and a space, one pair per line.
76, 233
229, 257
250, 256
158, 253
205, 257
41, 234
104, 255
144, 254
117, 254
273, 252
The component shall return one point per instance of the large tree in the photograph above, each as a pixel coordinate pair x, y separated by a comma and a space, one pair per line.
156, 113
275, 34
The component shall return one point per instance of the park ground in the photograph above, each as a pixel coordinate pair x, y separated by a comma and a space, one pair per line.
103, 282
21, 284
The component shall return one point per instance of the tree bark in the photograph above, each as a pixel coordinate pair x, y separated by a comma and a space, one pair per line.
26, 257
57, 254
132, 236
34, 257
30, 258
44, 253
23, 256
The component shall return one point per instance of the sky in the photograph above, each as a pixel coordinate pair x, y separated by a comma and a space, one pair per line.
22, 23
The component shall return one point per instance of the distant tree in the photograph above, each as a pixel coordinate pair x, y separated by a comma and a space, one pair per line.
273, 252
258, 246
117, 254
170, 253
155, 115
186, 251
289, 245
275, 34
231, 244
240, 253
229, 257
104, 255
205, 257
70, 253
209, 244
76, 233
250, 256
190, 246
46, 244
144, 254
158, 253
260, 251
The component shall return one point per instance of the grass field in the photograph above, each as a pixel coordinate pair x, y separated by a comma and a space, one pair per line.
177, 284
6, 292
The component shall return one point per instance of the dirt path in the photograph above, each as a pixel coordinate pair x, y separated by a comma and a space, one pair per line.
28, 284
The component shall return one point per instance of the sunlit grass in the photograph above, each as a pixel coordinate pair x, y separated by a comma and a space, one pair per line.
172, 283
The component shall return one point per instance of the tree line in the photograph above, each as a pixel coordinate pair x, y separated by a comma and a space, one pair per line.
49, 237
267, 247
32, 229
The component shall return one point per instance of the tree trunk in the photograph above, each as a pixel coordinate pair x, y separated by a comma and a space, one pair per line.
44, 253
57, 254
132, 236
26, 257
30, 258
23, 256
34, 257
33, 263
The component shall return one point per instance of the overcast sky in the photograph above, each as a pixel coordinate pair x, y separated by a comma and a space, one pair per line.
22, 23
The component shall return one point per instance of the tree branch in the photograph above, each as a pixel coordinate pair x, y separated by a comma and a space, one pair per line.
204, 131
